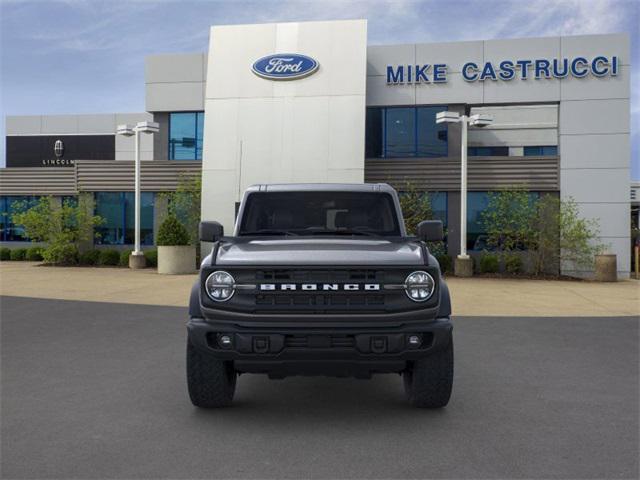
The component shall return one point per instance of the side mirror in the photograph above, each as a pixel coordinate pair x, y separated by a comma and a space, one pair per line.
430, 231
210, 231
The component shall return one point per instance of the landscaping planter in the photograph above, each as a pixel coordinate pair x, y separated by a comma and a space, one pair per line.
606, 268
175, 260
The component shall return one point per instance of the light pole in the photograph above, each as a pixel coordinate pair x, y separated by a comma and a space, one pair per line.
136, 259
463, 263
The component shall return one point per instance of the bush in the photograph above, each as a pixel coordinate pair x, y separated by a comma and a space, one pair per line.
172, 232
513, 263
152, 257
489, 263
90, 257
109, 257
61, 227
61, 254
445, 263
124, 258
5, 253
34, 254
18, 254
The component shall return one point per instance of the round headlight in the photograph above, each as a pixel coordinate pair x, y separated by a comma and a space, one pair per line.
220, 286
419, 286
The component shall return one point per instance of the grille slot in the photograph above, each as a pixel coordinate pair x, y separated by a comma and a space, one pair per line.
319, 341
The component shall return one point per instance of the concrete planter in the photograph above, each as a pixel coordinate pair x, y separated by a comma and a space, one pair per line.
606, 268
176, 260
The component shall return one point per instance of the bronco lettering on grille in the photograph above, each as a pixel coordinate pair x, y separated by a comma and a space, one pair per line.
319, 286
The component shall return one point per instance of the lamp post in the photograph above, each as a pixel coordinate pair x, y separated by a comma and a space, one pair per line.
136, 259
463, 263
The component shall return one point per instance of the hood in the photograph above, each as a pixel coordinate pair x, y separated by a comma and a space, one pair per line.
323, 251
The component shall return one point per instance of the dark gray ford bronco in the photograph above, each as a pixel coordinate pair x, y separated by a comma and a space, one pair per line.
320, 279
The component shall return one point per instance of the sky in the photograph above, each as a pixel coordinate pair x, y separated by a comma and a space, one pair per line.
87, 56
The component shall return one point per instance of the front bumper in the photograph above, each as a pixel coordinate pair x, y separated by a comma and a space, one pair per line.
351, 349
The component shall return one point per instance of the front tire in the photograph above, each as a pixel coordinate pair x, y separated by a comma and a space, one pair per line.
211, 382
428, 381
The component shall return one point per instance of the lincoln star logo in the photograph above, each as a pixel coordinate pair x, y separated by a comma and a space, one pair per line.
58, 148
326, 287
285, 66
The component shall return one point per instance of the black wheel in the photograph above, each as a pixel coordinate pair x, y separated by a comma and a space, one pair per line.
211, 382
428, 381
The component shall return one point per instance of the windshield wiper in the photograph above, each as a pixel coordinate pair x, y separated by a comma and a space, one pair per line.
269, 231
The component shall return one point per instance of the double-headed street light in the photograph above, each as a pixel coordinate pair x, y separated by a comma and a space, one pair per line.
136, 259
464, 266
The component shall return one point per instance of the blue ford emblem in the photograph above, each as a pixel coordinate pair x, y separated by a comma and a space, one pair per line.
285, 66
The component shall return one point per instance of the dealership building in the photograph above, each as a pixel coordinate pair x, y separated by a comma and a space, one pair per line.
312, 102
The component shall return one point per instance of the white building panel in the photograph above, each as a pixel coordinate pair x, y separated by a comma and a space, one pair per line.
521, 49
595, 151
596, 185
453, 54
592, 45
380, 56
455, 90
595, 88
175, 97
259, 130
379, 93
594, 117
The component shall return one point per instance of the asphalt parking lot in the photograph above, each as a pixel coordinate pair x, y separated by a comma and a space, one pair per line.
97, 390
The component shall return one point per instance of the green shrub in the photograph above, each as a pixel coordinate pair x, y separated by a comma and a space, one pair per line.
124, 258
62, 227
172, 232
90, 257
445, 263
5, 253
513, 263
18, 254
34, 254
152, 257
489, 263
109, 257
61, 254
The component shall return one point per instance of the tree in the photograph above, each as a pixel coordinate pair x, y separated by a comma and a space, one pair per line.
184, 203
508, 219
62, 227
416, 207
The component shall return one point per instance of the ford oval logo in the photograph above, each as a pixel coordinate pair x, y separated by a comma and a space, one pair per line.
285, 66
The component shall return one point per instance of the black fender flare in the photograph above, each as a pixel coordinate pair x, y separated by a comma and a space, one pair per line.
444, 310
194, 301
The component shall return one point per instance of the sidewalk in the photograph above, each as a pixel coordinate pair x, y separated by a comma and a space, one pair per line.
473, 296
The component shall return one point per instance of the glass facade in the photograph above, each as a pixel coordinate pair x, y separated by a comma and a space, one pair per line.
117, 211
185, 135
405, 132
477, 202
488, 151
9, 231
544, 151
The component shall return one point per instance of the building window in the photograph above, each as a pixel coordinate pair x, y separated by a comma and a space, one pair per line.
117, 211
9, 231
477, 203
488, 151
544, 151
405, 132
185, 135
439, 206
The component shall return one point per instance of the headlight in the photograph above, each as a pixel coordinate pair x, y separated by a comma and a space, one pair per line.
220, 286
419, 286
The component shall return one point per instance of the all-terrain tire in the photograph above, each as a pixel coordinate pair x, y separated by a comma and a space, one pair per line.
428, 381
211, 382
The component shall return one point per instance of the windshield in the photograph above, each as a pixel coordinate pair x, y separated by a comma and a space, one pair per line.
319, 213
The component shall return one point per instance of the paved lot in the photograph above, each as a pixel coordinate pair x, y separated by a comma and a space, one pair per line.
96, 390
471, 296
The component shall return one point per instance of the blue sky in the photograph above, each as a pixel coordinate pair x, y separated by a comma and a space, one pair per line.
75, 56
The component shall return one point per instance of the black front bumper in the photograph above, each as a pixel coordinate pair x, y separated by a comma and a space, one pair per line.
351, 349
